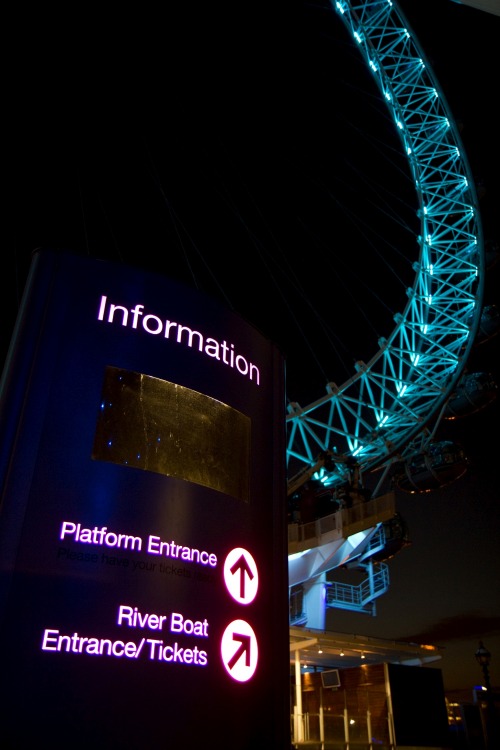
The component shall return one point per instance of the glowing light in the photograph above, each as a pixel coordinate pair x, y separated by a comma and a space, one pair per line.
356, 539
297, 555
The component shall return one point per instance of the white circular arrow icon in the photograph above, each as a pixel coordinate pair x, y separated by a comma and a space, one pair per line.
241, 576
239, 650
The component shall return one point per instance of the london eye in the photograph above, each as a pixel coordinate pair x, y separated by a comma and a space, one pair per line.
389, 406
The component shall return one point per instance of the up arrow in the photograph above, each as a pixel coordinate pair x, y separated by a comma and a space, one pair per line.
241, 575
243, 567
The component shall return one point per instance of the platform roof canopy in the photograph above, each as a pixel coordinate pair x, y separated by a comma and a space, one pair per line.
328, 650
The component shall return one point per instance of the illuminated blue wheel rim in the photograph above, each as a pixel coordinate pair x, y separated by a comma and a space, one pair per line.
385, 409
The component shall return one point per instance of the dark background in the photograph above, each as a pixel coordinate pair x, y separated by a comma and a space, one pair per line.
245, 151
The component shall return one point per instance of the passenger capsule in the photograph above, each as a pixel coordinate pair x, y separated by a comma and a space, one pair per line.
441, 464
489, 325
396, 536
475, 391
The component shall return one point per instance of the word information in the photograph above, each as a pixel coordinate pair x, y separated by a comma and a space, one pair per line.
153, 649
135, 319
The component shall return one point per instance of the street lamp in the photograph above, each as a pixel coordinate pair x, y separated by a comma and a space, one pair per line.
483, 658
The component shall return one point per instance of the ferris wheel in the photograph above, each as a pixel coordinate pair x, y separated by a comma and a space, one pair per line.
388, 409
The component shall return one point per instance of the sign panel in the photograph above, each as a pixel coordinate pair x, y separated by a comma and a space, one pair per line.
143, 552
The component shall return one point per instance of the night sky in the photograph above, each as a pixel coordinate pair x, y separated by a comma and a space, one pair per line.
244, 150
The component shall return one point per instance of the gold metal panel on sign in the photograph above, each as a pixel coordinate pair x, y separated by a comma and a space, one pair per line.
159, 426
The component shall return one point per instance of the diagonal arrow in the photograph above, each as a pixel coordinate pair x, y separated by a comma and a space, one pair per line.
243, 648
242, 566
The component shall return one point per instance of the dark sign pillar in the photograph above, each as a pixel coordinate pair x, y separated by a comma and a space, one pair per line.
143, 547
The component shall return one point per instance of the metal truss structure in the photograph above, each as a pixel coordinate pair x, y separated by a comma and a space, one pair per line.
386, 407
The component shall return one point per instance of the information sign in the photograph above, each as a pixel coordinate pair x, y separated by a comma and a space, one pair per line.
143, 554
